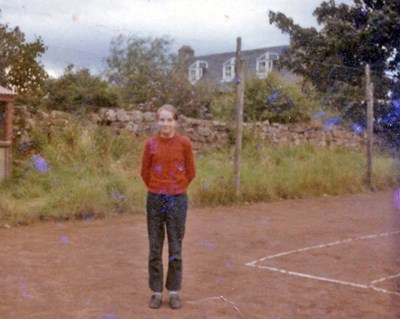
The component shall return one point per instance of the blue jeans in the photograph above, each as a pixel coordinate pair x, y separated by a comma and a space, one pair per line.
166, 212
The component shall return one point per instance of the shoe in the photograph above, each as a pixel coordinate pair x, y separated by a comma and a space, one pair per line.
175, 301
155, 302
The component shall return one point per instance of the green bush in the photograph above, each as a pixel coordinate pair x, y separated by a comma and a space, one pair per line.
275, 100
77, 91
223, 106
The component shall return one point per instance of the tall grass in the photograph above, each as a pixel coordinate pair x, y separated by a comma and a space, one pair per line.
282, 172
91, 173
95, 173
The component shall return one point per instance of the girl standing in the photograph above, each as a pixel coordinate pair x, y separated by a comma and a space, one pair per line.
167, 170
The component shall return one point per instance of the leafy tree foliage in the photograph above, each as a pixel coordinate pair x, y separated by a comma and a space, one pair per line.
78, 91
333, 59
144, 72
275, 100
19, 65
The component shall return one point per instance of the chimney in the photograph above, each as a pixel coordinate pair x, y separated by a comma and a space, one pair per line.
185, 54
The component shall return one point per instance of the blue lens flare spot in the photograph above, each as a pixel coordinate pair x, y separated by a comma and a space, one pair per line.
396, 199
208, 244
64, 240
40, 164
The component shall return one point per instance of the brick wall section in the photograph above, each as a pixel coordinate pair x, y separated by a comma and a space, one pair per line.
205, 134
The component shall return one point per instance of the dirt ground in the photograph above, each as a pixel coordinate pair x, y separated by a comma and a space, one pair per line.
329, 257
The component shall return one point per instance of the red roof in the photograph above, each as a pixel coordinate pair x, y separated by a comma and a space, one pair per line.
4, 91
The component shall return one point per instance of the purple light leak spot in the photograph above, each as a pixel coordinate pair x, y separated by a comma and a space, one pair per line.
109, 316
64, 240
396, 199
181, 167
318, 114
88, 218
331, 122
358, 129
396, 103
158, 169
314, 73
229, 265
274, 96
171, 258
26, 296
40, 164
208, 244
116, 193
154, 128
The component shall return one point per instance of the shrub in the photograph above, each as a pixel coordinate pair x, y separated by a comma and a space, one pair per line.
275, 100
78, 91
223, 106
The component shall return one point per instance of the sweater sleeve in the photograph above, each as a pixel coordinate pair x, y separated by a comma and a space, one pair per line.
190, 170
146, 164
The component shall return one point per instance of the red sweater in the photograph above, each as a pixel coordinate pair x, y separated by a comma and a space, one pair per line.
168, 164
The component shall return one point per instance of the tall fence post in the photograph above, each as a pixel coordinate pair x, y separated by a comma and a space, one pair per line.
369, 91
239, 79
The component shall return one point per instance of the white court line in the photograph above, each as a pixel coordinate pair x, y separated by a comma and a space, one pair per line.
385, 291
384, 279
372, 285
340, 282
299, 274
334, 243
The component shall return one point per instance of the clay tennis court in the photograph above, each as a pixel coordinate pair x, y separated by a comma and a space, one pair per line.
329, 257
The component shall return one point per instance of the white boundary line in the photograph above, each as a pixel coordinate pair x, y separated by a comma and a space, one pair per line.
371, 285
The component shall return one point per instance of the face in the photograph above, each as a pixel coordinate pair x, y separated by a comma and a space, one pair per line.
166, 123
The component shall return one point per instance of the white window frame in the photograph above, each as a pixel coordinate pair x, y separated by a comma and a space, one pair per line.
196, 70
228, 70
265, 64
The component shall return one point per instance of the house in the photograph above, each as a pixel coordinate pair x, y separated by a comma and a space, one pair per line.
220, 68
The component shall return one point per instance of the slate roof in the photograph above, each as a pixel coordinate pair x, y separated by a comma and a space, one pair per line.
216, 61
4, 91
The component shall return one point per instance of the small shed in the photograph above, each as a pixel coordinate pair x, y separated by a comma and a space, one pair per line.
6, 131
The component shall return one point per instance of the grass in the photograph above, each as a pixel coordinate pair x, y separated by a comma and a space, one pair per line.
272, 173
93, 173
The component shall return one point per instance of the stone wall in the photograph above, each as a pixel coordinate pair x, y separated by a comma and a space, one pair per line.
204, 134
315, 133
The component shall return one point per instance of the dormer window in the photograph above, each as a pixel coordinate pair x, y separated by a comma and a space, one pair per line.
196, 71
265, 64
228, 70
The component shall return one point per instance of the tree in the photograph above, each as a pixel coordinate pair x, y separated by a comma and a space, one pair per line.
78, 91
144, 71
334, 58
19, 65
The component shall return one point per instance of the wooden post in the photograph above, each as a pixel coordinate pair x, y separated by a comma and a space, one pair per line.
370, 128
239, 79
6, 132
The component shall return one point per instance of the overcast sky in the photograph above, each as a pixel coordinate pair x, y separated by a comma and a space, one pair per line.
80, 31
